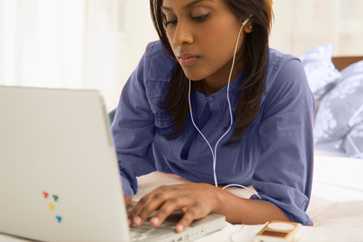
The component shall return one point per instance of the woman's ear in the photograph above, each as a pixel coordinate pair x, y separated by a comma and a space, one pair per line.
248, 28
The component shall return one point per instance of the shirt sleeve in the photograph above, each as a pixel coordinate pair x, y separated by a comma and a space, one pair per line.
133, 131
283, 174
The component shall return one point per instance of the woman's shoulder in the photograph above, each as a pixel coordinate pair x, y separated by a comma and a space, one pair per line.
284, 69
158, 63
280, 62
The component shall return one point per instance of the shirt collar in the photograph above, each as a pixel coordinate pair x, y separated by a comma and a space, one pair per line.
218, 99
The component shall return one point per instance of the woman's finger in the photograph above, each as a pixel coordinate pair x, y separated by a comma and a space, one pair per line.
145, 199
129, 206
132, 213
150, 203
170, 206
191, 214
154, 204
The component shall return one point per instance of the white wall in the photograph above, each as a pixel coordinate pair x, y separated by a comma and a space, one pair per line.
138, 31
301, 25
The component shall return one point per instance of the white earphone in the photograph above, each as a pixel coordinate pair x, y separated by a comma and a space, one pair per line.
214, 151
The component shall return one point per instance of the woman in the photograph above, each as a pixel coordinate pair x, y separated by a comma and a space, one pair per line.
212, 103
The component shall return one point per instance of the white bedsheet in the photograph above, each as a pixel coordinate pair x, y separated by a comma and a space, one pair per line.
337, 199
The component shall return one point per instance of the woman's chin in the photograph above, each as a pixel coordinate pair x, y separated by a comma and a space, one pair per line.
194, 75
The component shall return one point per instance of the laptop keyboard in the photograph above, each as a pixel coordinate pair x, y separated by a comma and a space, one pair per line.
146, 230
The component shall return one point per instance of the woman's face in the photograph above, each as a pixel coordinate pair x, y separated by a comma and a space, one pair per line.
202, 34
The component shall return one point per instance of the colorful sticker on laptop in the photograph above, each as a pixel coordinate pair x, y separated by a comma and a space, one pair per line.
59, 219
55, 198
52, 206
45, 195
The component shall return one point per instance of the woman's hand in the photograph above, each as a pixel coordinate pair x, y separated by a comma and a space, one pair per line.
129, 205
195, 200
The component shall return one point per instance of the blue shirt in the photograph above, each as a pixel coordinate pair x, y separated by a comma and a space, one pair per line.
275, 154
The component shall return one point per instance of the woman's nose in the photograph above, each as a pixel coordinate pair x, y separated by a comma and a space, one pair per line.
182, 35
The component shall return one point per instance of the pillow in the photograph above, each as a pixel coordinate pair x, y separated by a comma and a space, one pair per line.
334, 148
320, 70
341, 108
353, 142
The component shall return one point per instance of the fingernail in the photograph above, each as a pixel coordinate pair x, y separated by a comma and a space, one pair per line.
179, 228
137, 220
155, 221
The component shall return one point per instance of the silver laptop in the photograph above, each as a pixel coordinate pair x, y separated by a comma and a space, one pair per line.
59, 177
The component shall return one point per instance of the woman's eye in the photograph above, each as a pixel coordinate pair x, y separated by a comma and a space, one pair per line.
173, 22
168, 22
200, 18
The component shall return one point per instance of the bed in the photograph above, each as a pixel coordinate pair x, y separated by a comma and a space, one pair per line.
337, 198
341, 62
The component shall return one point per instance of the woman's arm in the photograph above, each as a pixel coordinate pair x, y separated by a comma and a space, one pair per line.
196, 201
133, 130
246, 211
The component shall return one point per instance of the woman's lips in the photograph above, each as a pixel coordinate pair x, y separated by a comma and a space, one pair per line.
188, 60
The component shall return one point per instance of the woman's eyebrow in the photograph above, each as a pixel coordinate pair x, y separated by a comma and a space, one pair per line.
168, 9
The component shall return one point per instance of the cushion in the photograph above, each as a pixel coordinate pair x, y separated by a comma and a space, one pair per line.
320, 70
341, 108
353, 142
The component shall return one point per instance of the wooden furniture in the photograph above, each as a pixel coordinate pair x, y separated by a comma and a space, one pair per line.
342, 62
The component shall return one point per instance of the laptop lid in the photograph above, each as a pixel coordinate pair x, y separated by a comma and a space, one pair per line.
59, 178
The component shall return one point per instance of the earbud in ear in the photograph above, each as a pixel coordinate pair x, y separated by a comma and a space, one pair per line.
248, 28
246, 25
